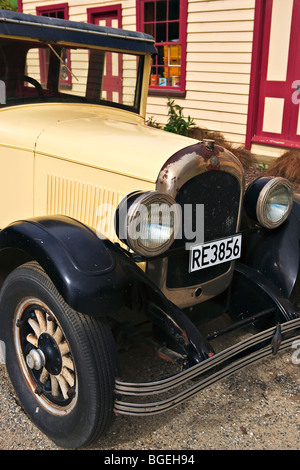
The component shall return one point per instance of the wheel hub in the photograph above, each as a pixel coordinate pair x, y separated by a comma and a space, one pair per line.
49, 365
46, 355
50, 349
35, 359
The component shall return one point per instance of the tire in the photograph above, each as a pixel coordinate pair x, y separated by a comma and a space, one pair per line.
61, 363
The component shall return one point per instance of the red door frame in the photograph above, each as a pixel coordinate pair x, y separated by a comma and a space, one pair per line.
110, 83
108, 11
259, 87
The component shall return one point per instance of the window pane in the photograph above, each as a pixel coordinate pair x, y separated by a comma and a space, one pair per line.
32, 66
149, 29
162, 20
149, 11
167, 69
60, 14
161, 32
174, 31
174, 10
161, 11
160, 55
174, 65
112, 75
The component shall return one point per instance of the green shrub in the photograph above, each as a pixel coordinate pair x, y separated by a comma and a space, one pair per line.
176, 122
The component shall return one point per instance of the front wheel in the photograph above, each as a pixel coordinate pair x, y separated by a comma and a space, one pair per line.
61, 363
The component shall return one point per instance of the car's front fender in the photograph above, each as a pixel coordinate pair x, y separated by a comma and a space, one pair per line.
276, 253
94, 276
81, 265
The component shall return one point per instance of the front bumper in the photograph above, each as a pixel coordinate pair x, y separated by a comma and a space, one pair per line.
206, 373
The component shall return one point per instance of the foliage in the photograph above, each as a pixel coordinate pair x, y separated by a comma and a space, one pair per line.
262, 166
151, 122
176, 122
7, 5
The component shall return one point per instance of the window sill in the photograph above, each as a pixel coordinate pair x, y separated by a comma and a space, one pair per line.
166, 92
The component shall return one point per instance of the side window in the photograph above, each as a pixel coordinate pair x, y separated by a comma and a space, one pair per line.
166, 22
32, 65
55, 11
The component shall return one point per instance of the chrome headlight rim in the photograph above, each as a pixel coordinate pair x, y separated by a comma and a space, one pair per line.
257, 199
128, 211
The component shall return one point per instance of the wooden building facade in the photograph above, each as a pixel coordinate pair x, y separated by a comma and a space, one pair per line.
231, 64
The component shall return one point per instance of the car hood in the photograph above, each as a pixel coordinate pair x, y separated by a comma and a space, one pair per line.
100, 137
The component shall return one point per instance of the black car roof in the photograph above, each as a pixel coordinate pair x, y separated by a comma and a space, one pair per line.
53, 29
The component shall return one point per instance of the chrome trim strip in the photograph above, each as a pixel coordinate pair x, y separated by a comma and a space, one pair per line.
142, 389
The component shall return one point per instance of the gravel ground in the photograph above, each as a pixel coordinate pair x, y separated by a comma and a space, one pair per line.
258, 408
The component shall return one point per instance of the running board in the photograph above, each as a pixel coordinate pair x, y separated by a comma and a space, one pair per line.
232, 354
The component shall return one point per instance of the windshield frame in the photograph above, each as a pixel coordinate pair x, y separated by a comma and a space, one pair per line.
13, 54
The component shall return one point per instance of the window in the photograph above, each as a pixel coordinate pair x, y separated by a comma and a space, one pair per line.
55, 11
89, 68
165, 20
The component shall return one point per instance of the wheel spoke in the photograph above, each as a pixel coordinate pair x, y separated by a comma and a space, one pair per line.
41, 320
54, 386
68, 376
58, 335
45, 330
44, 376
35, 326
50, 325
67, 362
64, 348
63, 385
32, 339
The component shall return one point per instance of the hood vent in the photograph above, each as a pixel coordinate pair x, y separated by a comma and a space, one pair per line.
90, 204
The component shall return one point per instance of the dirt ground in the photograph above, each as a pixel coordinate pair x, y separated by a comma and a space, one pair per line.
258, 408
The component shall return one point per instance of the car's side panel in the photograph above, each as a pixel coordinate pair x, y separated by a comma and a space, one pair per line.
16, 184
88, 194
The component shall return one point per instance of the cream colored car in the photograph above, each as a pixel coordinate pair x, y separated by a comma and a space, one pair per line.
109, 226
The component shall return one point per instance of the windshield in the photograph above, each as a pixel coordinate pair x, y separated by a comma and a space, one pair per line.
45, 72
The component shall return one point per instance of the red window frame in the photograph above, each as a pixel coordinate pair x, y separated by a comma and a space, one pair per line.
171, 59
54, 11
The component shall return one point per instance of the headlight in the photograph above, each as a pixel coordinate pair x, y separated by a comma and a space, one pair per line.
147, 222
269, 201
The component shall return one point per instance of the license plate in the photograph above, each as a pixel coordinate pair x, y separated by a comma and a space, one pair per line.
219, 251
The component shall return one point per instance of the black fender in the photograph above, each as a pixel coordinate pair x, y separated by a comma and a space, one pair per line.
81, 265
276, 253
252, 294
94, 275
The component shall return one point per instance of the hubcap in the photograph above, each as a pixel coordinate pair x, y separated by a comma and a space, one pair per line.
49, 348
35, 359
46, 359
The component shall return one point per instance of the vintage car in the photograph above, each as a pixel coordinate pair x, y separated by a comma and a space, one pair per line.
115, 232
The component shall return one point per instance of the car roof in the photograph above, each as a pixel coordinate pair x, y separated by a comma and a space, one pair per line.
64, 31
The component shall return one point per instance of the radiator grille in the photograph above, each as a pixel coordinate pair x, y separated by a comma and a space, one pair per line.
220, 193
91, 204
